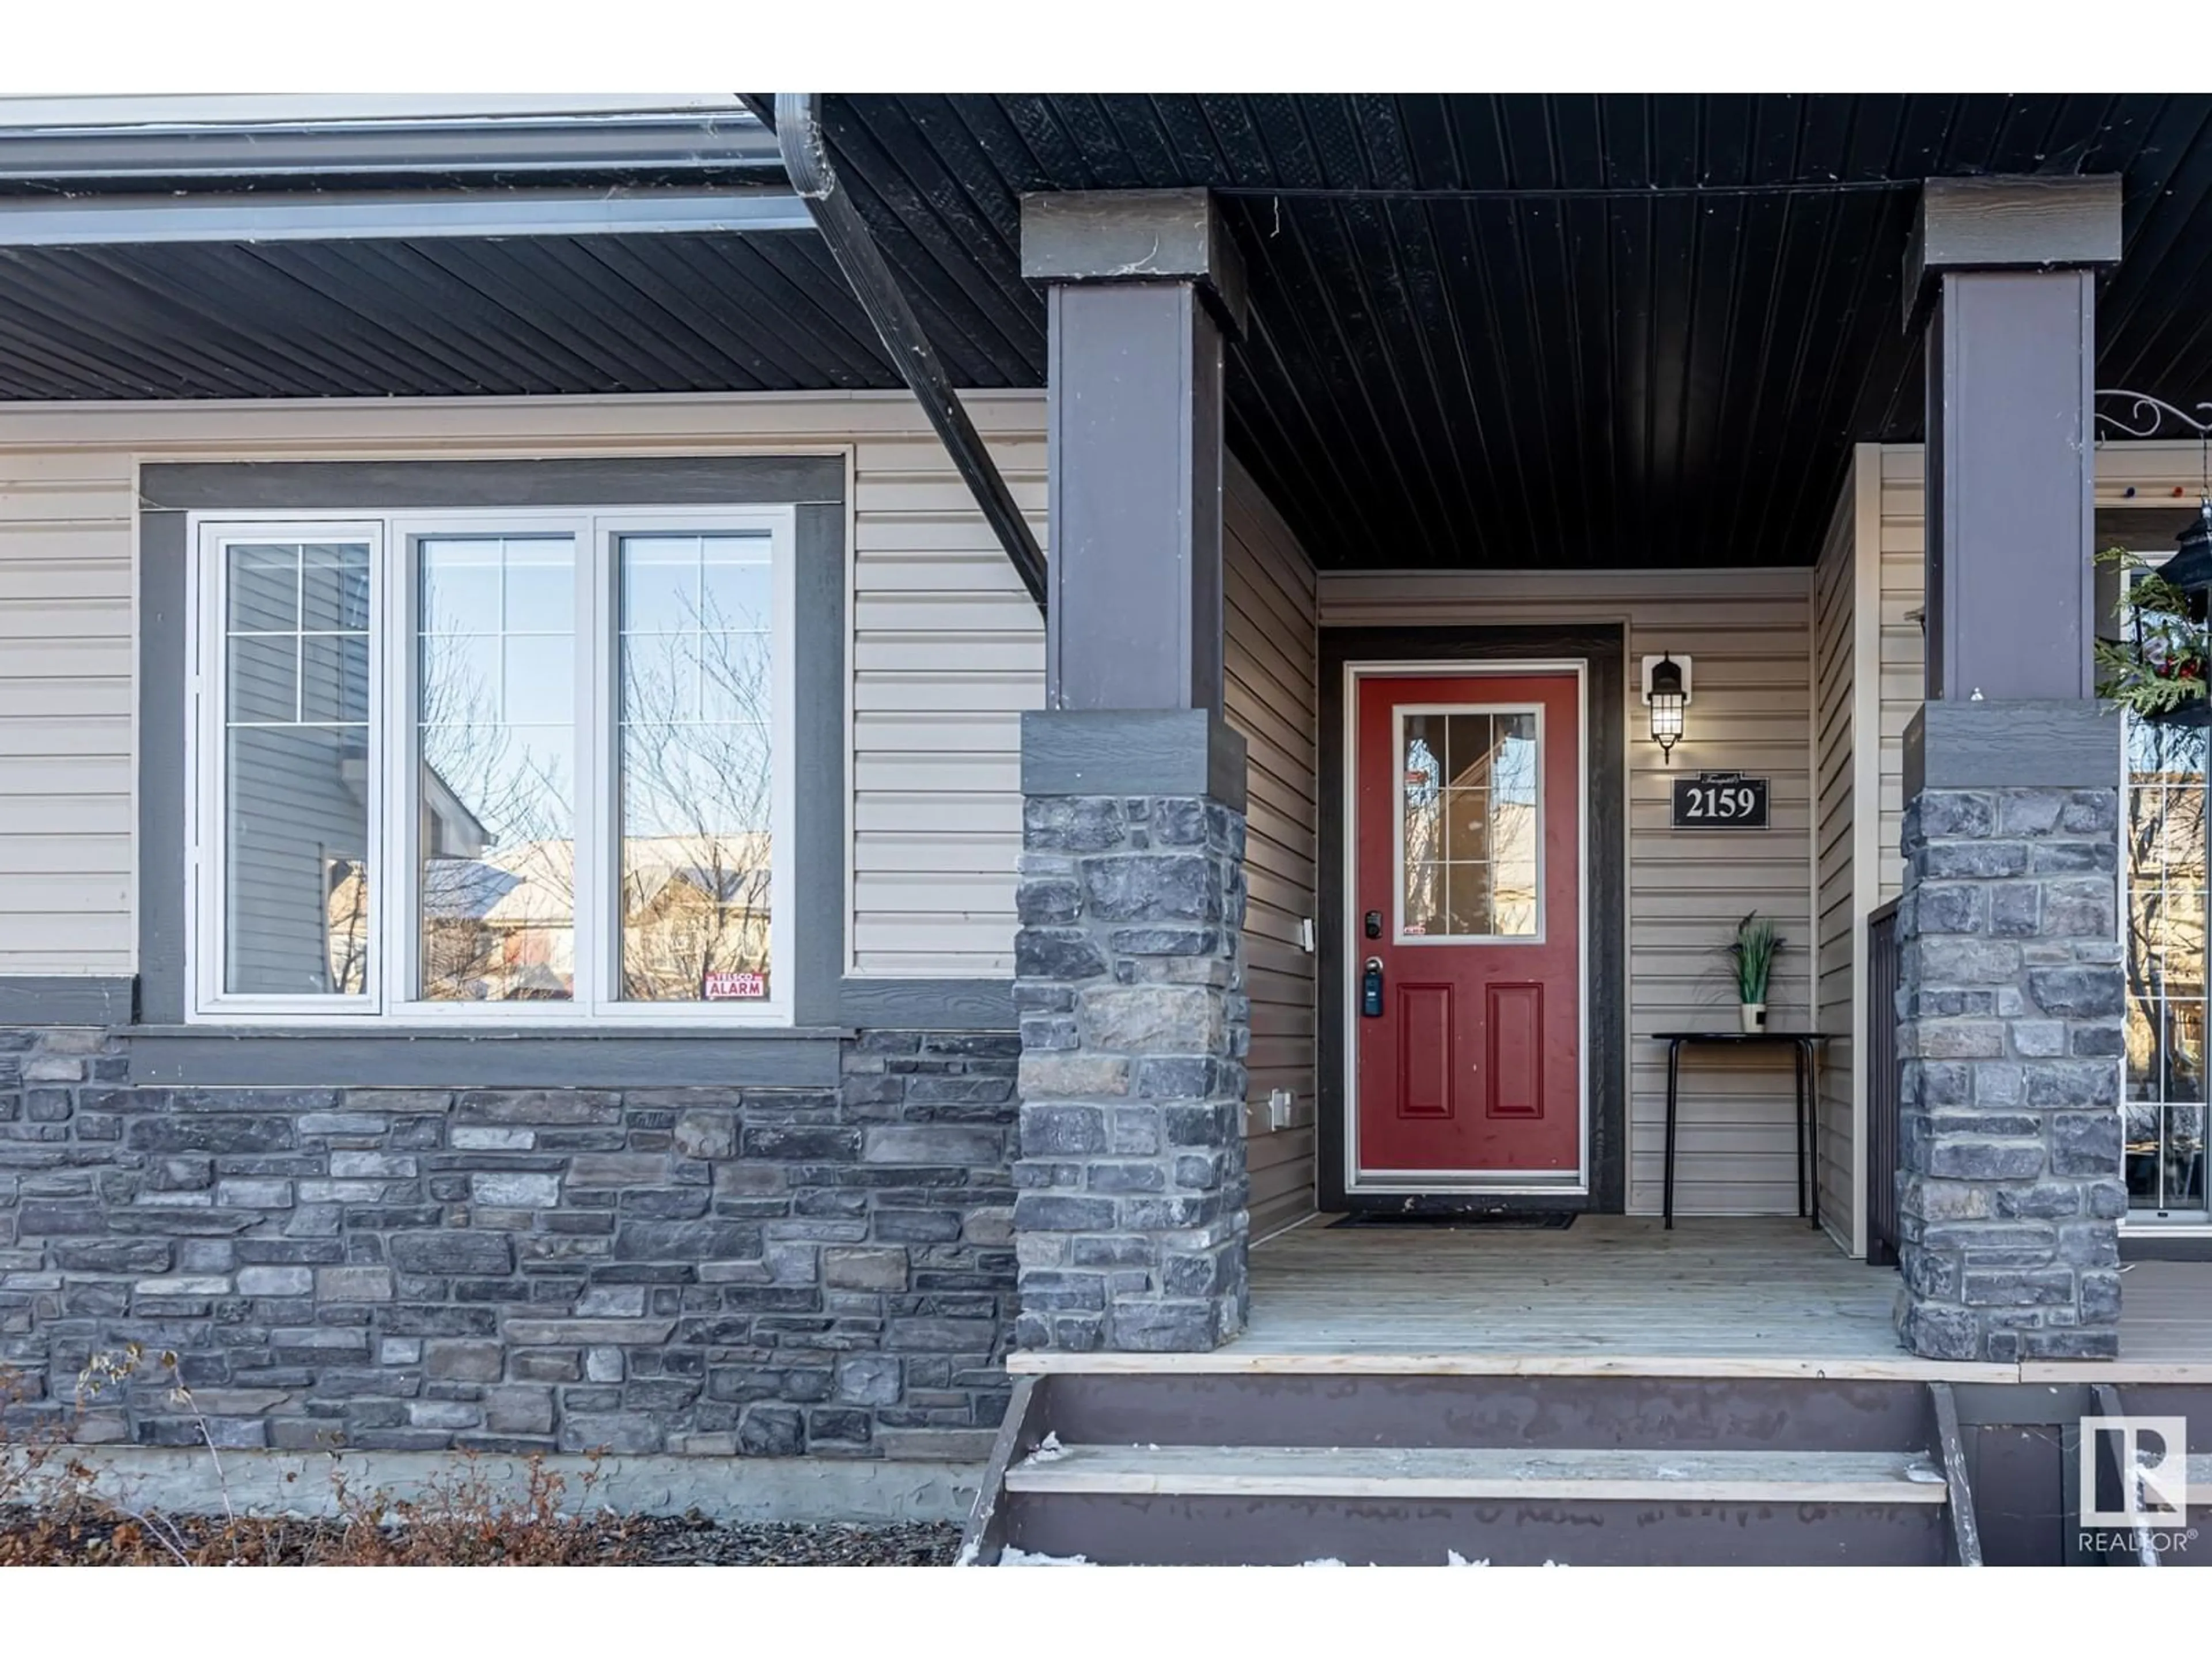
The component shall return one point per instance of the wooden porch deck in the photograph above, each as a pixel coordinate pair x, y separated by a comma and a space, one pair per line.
1618, 1295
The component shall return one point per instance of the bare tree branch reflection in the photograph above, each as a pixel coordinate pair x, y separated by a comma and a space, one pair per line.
495, 817
696, 801
346, 912
496, 802
2164, 925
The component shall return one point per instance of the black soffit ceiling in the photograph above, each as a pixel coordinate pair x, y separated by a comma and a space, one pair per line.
434, 318
1593, 333
1507, 331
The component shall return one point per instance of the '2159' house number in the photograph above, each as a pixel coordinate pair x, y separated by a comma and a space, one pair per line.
1720, 801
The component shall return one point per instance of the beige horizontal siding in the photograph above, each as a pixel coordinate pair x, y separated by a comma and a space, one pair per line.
1837, 928
1903, 645
946, 648
1272, 697
65, 712
1749, 637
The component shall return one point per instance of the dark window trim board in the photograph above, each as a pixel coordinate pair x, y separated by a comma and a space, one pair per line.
2159, 1245
823, 995
1602, 648
67, 998
212, 1057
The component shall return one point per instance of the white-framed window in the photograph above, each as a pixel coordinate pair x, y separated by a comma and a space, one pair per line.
491, 767
1469, 845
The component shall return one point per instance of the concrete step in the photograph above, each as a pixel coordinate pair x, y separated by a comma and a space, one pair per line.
1525, 1413
1162, 1468
1288, 1506
1500, 1475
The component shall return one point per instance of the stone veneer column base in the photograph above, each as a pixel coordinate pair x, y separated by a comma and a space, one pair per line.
1129, 1213
2009, 1168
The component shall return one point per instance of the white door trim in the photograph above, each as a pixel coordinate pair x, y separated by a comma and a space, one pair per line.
1486, 1182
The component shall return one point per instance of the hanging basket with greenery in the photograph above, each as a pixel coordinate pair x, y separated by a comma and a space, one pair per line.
2157, 670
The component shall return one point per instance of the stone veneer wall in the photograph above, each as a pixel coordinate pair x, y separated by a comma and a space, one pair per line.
1129, 974
764, 1272
2009, 1170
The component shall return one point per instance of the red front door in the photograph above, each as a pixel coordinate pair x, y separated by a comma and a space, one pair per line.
1465, 902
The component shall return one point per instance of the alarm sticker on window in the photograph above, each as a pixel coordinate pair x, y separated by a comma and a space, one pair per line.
736, 988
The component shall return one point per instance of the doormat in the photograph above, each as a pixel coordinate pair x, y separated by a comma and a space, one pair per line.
1556, 1220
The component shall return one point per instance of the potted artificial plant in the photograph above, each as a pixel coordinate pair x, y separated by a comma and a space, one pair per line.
1753, 950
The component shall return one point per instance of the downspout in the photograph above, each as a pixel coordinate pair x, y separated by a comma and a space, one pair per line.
798, 123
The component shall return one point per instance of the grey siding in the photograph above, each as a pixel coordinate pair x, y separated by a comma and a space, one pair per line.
1272, 699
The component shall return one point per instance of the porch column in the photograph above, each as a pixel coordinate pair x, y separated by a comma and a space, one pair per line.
1129, 1214
2010, 1189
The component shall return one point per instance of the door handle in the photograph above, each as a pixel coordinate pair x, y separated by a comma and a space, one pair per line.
1370, 989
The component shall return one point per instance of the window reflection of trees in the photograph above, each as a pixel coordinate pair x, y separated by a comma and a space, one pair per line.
2165, 920
1424, 833
498, 858
345, 880
496, 803
696, 797
1469, 788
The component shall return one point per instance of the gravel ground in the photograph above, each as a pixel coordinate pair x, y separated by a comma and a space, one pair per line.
694, 1541
687, 1540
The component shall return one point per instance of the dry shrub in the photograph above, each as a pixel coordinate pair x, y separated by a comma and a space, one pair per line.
34, 1460
51, 1514
24, 1456
465, 1519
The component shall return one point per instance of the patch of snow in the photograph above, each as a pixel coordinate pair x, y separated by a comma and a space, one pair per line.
1454, 1558
968, 1553
1323, 1561
1011, 1556
1049, 1449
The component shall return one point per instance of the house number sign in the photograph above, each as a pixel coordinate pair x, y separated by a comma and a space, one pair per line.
1720, 801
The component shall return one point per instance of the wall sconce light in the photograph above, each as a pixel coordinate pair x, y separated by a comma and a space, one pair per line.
1665, 693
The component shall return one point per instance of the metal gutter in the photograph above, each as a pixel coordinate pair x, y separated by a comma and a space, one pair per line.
798, 123
141, 155
305, 216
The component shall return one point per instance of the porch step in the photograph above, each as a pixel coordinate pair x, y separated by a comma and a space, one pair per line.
1173, 1468
1170, 1506
1501, 1475
1528, 1413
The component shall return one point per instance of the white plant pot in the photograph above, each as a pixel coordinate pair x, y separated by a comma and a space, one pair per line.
1754, 1017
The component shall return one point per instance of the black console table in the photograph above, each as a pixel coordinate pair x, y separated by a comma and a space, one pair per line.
1801, 1045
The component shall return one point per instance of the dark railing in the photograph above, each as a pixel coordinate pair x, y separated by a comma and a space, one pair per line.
1883, 1086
